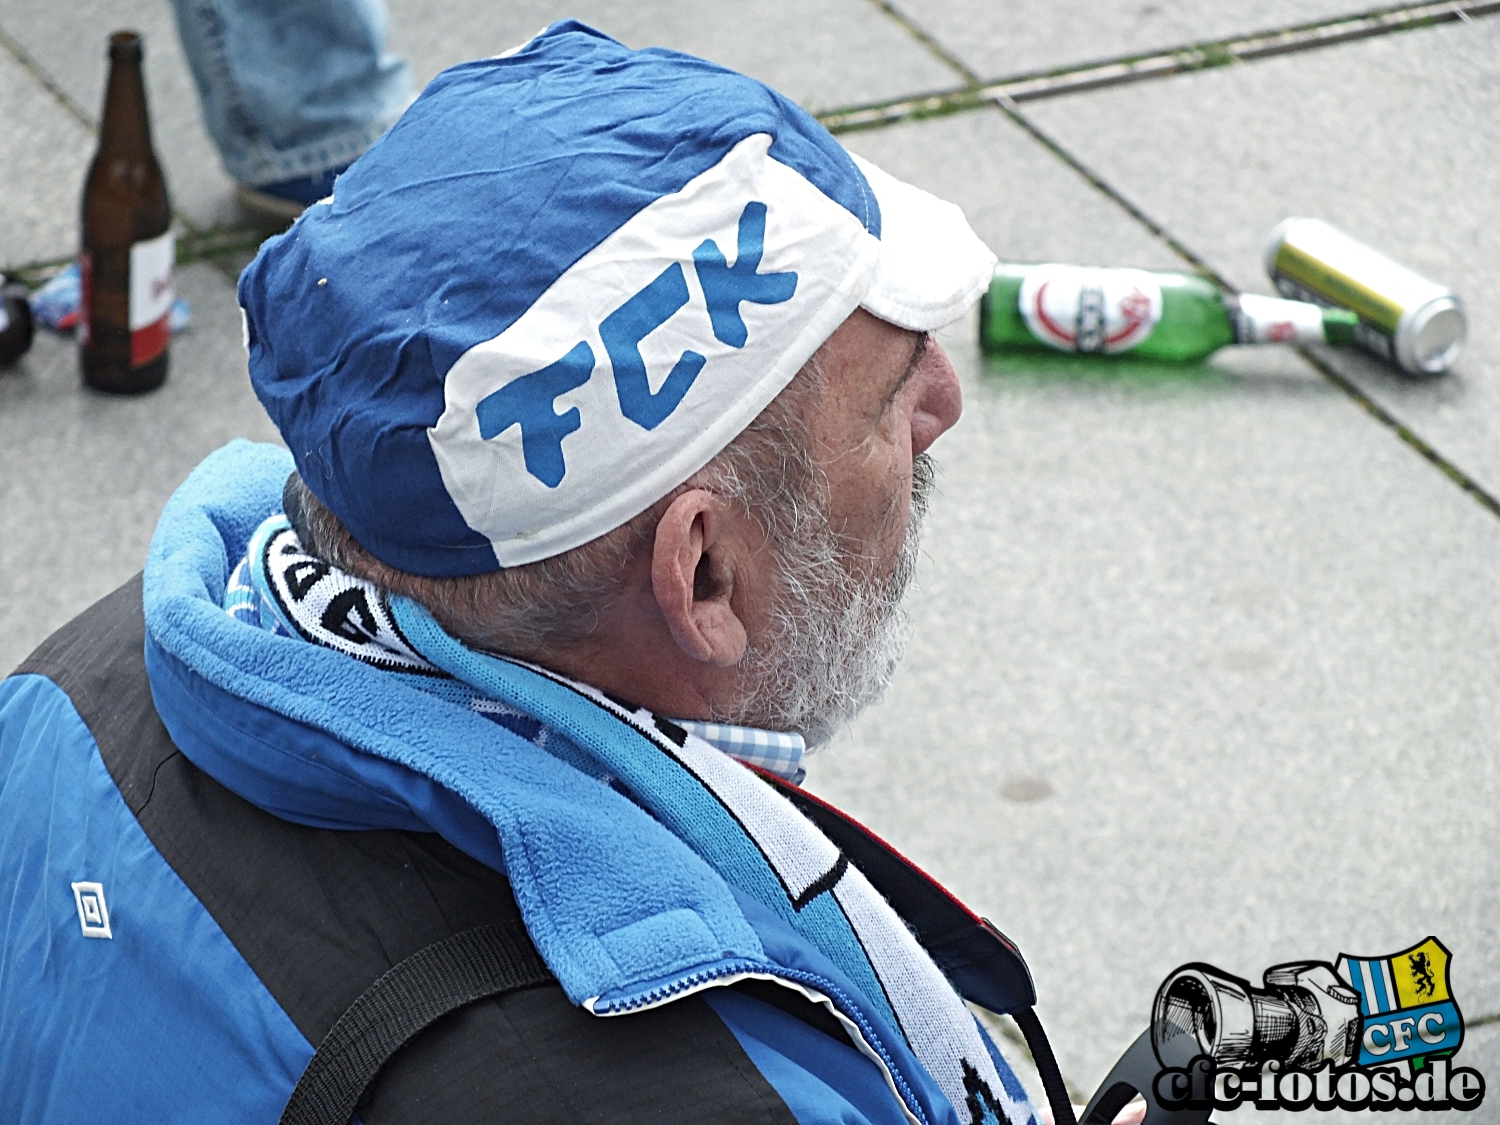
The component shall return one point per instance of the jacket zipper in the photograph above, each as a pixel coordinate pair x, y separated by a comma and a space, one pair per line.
811, 987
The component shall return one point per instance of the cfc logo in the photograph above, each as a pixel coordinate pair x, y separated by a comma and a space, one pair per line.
1405, 1008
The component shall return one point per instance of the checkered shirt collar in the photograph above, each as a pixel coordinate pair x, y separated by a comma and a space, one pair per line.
778, 752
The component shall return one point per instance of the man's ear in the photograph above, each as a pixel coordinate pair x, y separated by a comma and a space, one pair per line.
693, 567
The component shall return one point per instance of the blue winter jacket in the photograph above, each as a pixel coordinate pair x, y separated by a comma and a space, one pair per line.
215, 838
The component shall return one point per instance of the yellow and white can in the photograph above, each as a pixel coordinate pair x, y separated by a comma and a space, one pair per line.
1404, 318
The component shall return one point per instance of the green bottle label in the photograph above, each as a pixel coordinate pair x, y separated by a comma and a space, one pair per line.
1086, 309
1271, 320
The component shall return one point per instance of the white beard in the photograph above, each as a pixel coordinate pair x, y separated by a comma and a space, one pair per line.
836, 635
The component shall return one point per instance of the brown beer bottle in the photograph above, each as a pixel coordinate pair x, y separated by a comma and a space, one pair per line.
127, 254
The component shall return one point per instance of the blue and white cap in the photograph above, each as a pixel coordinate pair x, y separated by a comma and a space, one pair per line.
563, 282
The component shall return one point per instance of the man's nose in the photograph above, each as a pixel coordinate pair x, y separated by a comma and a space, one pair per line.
941, 401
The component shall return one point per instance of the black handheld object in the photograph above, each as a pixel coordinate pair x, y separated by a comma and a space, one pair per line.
1136, 1073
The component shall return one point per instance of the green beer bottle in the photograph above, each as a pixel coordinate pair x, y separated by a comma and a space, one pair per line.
1170, 316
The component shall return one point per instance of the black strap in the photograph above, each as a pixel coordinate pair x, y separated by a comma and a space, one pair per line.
1046, 1065
445, 976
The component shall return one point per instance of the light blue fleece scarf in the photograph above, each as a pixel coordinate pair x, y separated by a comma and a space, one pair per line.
284, 590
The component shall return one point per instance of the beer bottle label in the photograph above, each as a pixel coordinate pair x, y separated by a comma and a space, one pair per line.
1084, 309
150, 297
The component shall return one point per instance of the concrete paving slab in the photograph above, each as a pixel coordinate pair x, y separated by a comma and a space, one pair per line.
1391, 138
83, 476
821, 54
1198, 673
1018, 197
45, 154
69, 41
1199, 657
999, 40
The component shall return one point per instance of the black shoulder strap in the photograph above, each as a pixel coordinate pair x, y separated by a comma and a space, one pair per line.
1047, 1068
444, 977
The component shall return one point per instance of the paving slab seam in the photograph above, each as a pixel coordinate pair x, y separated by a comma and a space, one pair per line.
1036, 85
1100, 184
201, 245
13, 48
921, 35
1462, 479
72, 107
193, 246
1008, 106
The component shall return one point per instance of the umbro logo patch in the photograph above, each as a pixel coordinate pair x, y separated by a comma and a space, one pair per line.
93, 914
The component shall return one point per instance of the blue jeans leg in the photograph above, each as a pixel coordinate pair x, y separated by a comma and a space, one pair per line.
292, 87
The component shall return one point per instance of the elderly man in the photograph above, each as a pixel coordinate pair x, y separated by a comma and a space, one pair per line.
607, 385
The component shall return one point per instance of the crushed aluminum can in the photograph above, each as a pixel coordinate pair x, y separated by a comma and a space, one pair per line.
57, 303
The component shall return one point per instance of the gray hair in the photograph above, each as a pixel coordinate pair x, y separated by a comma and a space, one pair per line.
544, 607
